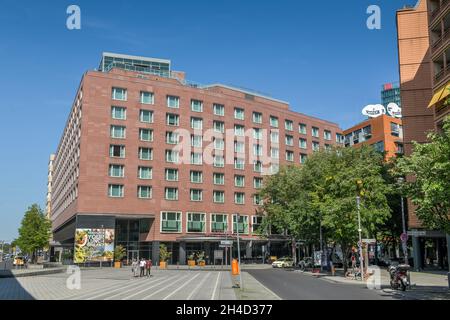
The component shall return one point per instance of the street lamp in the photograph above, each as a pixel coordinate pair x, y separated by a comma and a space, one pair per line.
239, 251
103, 243
358, 201
405, 235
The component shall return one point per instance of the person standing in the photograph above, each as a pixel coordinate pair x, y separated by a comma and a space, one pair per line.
142, 267
148, 267
134, 267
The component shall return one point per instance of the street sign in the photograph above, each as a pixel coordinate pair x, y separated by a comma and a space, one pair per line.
404, 237
228, 243
222, 246
369, 240
417, 233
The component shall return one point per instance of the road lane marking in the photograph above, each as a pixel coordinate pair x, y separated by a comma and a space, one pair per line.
146, 289
185, 284
198, 286
215, 287
158, 291
137, 287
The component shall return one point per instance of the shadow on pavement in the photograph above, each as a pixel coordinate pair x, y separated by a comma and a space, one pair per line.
11, 289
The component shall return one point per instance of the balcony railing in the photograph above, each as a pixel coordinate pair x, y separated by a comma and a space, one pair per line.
438, 76
219, 227
440, 7
171, 226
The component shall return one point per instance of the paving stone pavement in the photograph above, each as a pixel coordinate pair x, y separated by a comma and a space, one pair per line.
114, 284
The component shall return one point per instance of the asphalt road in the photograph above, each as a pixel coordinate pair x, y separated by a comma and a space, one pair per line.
290, 285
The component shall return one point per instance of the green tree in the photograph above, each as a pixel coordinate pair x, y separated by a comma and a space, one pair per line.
34, 232
337, 178
428, 183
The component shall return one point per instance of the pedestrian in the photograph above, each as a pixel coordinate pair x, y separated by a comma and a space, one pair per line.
142, 267
148, 267
134, 267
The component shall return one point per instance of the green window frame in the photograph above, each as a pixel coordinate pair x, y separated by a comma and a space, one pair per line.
117, 151
144, 192
119, 94
171, 222
219, 223
218, 196
219, 110
171, 194
118, 113
145, 173
145, 153
118, 132
173, 102
147, 97
196, 195
196, 176
196, 222
242, 224
171, 174
116, 170
146, 116
115, 190
146, 134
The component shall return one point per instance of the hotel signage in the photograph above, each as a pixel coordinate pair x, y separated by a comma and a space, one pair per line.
377, 110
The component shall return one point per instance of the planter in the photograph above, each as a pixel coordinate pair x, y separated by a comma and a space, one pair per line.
191, 263
163, 265
202, 263
117, 265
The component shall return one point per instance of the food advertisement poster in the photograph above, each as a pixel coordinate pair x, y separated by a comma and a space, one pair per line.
94, 245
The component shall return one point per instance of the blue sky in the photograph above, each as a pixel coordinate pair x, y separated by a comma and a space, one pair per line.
319, 56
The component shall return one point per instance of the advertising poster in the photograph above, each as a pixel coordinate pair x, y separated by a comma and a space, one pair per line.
94, 245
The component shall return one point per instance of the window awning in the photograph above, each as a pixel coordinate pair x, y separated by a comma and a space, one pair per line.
440, 95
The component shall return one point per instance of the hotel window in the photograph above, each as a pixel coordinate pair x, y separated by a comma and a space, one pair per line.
218, 162
172, 119
289, 140
257, 133
171, 194
256, 224
219, 144
239, 164
379, 146
173, 102
146, 135
315, 132
171, 222
219, 196
327, 146
219, 223
288, 125
239, 147
290, 156
274, 168
146, 116
118, 132
196, 195
196, 222
239, 114
196, 177
196, 123
257, 183
395, 129
339, 138
219, 126
315, 146
239, 130
172, 137
196, 141
257, 117
171, 174
275, 153
144, 192
275, 137
239, 198
257, 166
172, 156
274, 122
303, 158
147, 97
119, 113
145, 173
119, 94
115, 190
219, 109
240, 226
303, 143
239, 181
197, 105
116, 171
399, 148
196, 158
327, 135
145, 153
302, 128
257, 150
219, 179
116, 151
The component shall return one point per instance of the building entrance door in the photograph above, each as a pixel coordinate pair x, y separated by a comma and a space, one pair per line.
133, 255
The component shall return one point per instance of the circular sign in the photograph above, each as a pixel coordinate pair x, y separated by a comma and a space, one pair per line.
394, 110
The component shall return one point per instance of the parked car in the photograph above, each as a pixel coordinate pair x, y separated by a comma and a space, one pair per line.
285, 262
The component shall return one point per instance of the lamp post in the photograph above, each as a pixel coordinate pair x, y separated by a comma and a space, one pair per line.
103, 243
358, 200
239, 251
405, 235
1, 256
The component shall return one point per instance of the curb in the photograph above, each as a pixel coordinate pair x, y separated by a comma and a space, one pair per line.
31, 274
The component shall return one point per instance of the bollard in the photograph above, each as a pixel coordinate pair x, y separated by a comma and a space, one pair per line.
234, 268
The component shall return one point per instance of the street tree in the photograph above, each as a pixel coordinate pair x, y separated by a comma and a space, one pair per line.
428, 183
34, 232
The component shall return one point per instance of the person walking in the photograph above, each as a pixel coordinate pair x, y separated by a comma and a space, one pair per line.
134, 267
142, 267
148, 267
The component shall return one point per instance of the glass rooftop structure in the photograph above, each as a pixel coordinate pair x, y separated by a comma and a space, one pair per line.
154, 66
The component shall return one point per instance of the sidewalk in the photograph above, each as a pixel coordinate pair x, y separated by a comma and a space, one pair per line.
253, 289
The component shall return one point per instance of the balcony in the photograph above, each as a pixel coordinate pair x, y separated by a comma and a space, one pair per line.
171, 226
440, 9
241, 227
196, 226
219, 227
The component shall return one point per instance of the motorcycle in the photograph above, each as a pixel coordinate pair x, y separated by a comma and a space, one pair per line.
399, 276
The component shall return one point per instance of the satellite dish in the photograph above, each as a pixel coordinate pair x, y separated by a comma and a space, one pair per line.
374, 110
394, 110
